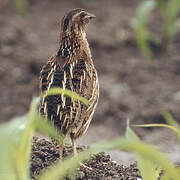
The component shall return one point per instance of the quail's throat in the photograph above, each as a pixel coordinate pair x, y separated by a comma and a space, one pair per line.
70, 44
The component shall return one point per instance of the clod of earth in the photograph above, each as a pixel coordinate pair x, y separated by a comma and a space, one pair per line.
45, 153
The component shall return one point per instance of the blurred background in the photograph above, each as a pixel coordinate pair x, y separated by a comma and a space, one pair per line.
131, 87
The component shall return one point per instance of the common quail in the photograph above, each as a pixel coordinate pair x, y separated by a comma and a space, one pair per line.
72, 68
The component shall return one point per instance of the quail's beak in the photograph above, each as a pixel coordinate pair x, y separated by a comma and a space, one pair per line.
91, 16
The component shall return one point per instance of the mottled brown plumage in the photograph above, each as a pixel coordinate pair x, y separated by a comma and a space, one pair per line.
71, 68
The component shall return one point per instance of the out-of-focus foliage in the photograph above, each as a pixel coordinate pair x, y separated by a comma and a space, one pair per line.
147, 41
147, 167
15, 143
140, 26
16, 138
171, 123
20, 6
67, 92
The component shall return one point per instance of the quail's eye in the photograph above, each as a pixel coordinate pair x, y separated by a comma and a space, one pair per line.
82, 15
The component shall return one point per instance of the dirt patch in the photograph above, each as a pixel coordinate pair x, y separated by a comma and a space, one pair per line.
45, 153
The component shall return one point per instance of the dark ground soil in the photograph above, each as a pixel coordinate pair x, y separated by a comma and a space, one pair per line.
130, 86
45, 153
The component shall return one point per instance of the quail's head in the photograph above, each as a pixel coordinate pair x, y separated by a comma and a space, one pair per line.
76, 21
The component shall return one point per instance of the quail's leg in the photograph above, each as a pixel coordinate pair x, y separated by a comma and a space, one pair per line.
61, 152
74, 146
75, 153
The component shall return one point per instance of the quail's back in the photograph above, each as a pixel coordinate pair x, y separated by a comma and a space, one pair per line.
71, 68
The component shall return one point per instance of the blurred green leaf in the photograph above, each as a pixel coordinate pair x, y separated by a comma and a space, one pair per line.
144, 10
45, 127
169, 119
160, 125
173, 126
21, 6
140, 26
19, 133
146, 167
56, 91
10, 164
15, 127
130, 135
23, 152
169, 10
7, 166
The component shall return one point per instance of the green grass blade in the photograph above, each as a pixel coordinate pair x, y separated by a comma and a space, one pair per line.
144, 10
25, 143
140, 26
10, 156
15, 127
7, 165
56, 91
45, 127
160, 125
146, 167
35, 122
130, 135
23, 152
170, 120
170, 11
20, 133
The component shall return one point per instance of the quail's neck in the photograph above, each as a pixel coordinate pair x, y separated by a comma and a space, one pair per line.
74, 35
71, 43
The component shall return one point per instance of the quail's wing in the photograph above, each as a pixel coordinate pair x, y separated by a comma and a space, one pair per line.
56, 108
83, 81
84, 77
